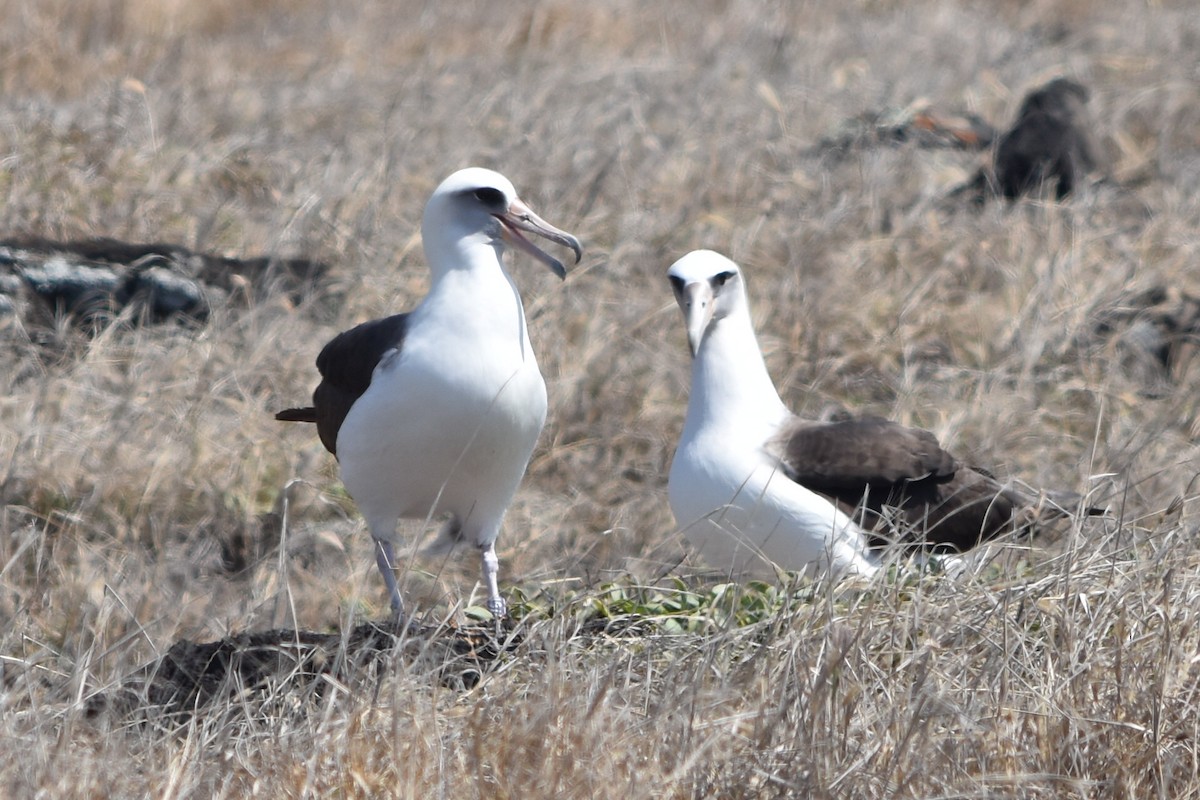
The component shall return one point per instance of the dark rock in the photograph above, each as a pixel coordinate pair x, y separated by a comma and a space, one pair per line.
72, 288
92, 281
161, 294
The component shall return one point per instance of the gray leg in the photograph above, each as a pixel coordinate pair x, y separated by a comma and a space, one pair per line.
386, 560
491, 568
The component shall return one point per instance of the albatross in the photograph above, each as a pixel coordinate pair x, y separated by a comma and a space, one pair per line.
753, 486
436, 412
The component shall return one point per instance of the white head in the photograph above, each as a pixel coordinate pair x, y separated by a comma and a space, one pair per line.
709, 288
477, 205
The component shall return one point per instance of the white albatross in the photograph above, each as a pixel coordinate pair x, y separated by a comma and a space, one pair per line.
753, 487
436, 412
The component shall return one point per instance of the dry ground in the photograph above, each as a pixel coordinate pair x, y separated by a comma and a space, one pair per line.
144, 479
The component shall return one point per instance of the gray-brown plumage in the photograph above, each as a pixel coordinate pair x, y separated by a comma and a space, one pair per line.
346, 364
1051, 140
882, 473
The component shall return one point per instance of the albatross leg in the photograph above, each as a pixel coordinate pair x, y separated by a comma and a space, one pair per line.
491, 569
385, 558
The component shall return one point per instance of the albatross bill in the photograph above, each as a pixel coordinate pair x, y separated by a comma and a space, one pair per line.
435, 412
752, 486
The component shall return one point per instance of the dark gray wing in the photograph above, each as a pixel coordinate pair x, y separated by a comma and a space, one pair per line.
849, 456
886, 472
346, 364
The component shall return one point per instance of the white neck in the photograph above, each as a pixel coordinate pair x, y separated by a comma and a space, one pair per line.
476, 280
731, 388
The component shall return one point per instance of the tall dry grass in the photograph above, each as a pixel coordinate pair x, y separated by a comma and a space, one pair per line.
144, 478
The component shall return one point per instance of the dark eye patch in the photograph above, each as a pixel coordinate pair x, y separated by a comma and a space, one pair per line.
489, 196
676, 283
722, 278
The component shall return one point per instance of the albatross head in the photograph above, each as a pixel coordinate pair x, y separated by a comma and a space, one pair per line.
708, 287
479, 205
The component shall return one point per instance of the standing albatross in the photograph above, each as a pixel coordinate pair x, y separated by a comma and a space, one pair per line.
436, 412
752, 485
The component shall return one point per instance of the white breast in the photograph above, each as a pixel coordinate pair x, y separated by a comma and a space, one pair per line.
437, 433
739, 511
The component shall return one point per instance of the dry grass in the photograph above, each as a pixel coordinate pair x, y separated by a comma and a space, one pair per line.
139, 467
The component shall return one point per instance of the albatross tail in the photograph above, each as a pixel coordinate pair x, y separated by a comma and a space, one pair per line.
1063, 503
307, 414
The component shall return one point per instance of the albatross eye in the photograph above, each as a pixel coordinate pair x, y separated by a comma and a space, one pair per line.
721, 279
489, 196
676, 283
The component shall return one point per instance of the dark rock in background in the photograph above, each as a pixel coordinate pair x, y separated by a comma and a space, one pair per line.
91, 282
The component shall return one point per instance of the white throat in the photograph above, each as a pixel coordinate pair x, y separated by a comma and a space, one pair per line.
731, 389
478, 294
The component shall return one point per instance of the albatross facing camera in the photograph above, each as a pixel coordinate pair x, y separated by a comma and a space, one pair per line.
752, 485
436, 412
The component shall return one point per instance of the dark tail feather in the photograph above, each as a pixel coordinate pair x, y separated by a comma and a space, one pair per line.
1070, 502
308, 414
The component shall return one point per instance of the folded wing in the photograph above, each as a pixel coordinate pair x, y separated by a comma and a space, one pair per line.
902, 485
346, 365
